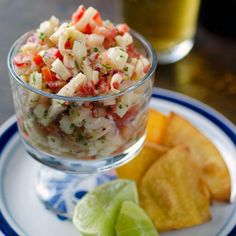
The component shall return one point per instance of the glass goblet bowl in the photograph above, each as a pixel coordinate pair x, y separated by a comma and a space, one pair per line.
78, 138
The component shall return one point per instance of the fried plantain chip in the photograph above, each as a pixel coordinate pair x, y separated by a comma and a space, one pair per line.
156, 125
204, 152
173, 193
136, 168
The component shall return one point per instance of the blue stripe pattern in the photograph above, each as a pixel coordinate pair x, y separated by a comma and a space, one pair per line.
5, 228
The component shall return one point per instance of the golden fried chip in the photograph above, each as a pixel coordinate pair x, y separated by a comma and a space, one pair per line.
173, 193
156, 125
204, 152
136, 168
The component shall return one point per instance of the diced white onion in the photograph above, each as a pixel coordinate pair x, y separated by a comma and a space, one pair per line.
70, 88
97, 123
128, 69
59, 68
79, 115
69, 61
54, 141
54, 110
94, 40
29, 47
139, 67
127, 100
40, 111
87, 69
72, 33
117, 57
66, 125
36, 81
134, 61
121, 109
86, 18
55, 36
145, 61
124, 40
90, 74
116, 78
79, 50
49, 27
95, 77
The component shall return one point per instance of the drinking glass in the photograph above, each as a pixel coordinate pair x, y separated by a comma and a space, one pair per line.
94, 141
169, 25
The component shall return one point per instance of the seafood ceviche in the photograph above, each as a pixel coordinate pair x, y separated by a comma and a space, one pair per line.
85, 57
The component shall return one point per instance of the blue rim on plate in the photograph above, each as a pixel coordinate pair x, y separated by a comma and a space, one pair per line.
219, 120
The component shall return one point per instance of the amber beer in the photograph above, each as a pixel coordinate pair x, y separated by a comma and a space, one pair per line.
165, 23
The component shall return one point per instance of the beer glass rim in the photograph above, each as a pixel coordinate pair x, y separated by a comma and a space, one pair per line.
151, 53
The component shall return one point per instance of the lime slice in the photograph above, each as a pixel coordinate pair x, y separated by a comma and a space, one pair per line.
133, 221
96, 213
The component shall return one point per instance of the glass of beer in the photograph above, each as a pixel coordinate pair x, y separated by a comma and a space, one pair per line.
169, 25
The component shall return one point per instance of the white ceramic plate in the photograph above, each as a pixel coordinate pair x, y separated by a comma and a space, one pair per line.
21, 213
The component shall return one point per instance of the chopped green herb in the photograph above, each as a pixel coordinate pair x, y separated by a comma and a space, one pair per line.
60, 102
53, 139
79, 138
42, 36
106, 66
30, 115
77, 65
83, 58
121, 56
95, 49
120, 106
45, 114
34, 78
126, 68
72, 126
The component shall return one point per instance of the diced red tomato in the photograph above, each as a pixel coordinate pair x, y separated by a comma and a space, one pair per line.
129, 115
132, 51
98, 111
51, 128
56, 85
58, 55
116, 85
47, 75
19, 60
104, 85
123, 28
38, 60
68, 44
110, 38
87, 90
97, 18
88, 29
78, 14
146, 69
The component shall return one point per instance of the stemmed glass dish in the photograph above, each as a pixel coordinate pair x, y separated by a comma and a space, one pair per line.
80, 135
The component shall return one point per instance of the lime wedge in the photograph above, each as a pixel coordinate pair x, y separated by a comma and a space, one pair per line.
96, 213
133, 221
